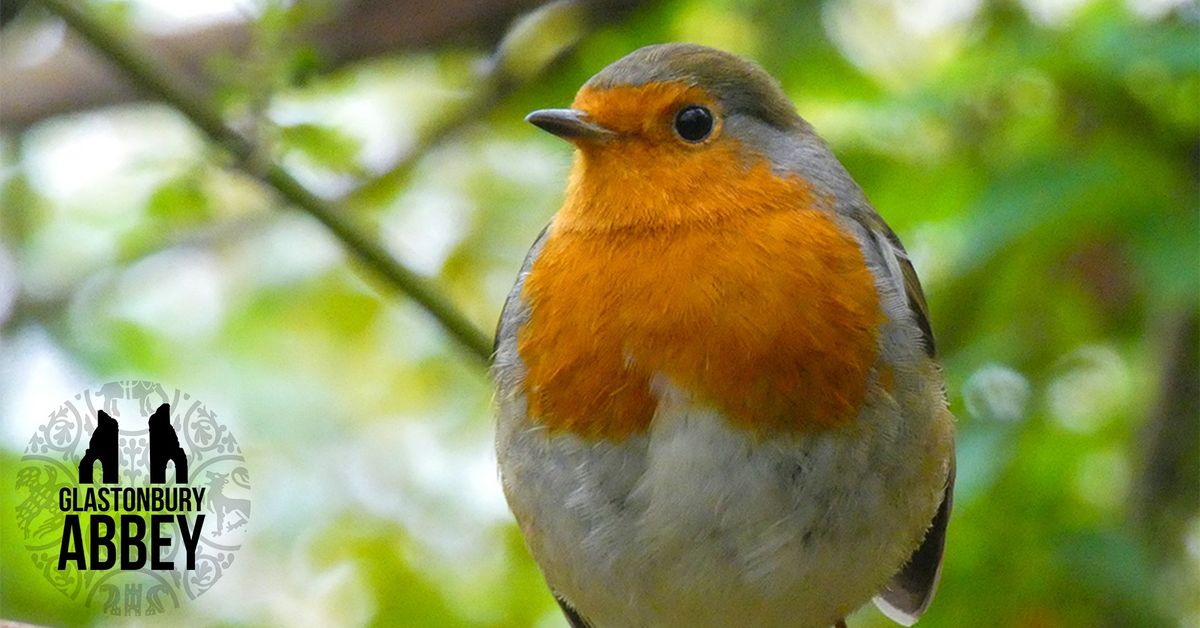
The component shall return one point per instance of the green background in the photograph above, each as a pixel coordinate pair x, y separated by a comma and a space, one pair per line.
1039, 159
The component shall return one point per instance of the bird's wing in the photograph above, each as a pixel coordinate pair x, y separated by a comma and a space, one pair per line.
892, 252
504, 366
573, 616
513, 308
911, 590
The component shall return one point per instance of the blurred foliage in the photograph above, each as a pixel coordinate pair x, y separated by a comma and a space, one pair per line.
1040, 159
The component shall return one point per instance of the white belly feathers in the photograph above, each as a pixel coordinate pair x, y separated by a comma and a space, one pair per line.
698, 524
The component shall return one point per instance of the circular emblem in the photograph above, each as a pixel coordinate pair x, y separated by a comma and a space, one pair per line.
132, 498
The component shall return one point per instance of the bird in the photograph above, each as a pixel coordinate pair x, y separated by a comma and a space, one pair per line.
717, 389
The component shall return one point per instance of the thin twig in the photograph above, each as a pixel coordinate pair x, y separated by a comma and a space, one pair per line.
157, 81
384, 186
506, 71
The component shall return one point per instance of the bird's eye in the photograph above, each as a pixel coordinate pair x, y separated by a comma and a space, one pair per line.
693, 123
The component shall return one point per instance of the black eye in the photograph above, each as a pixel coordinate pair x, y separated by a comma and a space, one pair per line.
693, 123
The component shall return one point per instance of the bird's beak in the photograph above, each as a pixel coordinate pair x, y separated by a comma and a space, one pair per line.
569, 124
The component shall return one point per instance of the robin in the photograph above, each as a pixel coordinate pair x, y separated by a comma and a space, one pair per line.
719, 403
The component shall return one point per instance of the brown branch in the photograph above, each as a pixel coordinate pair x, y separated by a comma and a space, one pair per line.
75, 78
511, 67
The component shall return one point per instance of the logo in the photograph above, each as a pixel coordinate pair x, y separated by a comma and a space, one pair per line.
132, 499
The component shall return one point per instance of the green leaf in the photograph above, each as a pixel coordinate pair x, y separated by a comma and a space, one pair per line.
179, 202
324, 146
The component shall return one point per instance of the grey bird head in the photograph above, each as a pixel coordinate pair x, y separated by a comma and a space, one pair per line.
670, 103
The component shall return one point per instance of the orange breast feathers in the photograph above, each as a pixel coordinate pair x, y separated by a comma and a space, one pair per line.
747, 296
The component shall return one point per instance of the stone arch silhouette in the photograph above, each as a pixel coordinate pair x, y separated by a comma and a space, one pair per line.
164, 448
103, 448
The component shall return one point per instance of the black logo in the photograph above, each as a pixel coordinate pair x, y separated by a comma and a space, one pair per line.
133, 536
164, 448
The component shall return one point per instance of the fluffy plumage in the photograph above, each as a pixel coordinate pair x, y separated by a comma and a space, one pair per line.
717, 399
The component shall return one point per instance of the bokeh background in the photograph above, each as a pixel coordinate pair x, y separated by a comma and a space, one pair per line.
1039, 158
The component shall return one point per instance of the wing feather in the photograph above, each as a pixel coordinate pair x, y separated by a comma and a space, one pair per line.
889, 247
573, 617
911, 589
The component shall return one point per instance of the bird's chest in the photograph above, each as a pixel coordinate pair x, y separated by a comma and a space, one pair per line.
772, 321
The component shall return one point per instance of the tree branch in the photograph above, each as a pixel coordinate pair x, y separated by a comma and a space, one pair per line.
156, 81
521, 56
74, 78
